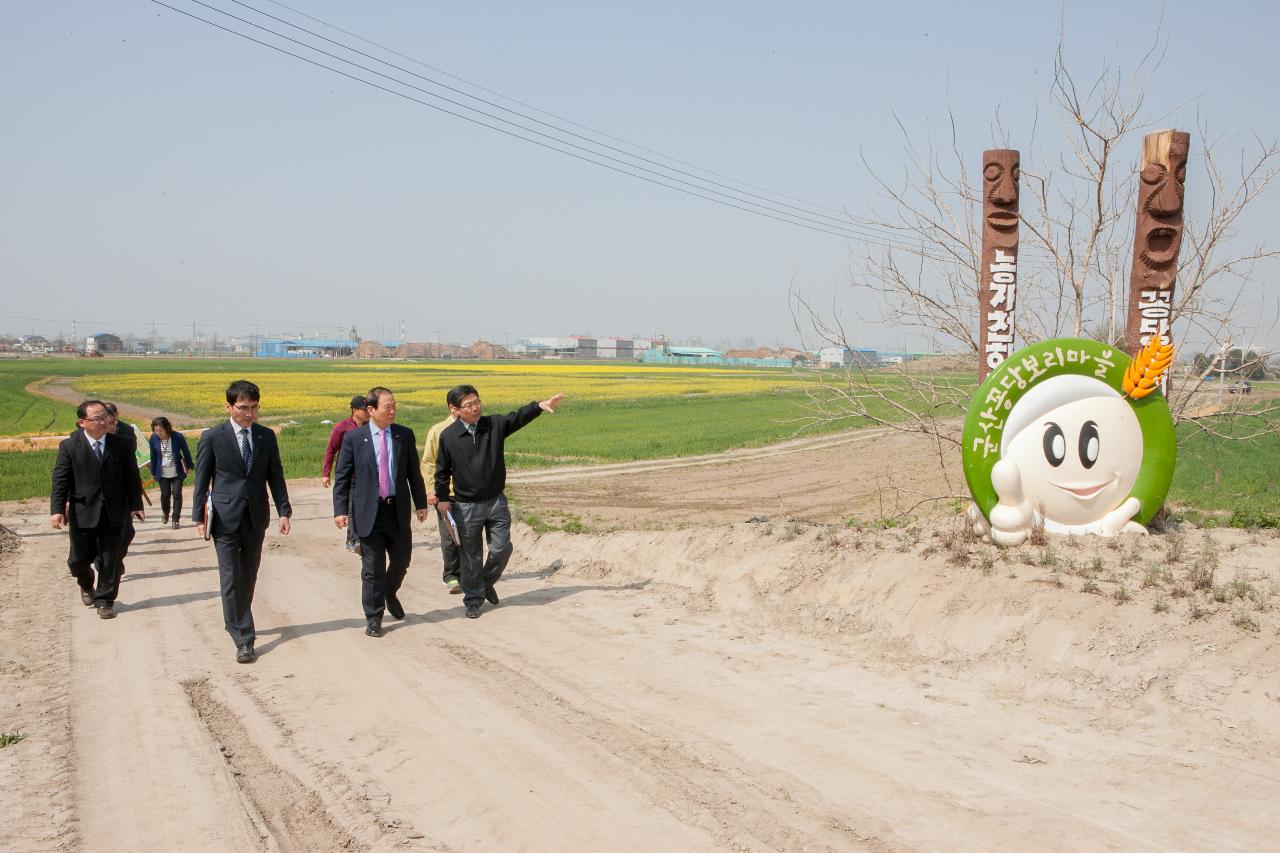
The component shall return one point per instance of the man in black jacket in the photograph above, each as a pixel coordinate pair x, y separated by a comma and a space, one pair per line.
96, 488
472, 455
235, 463
129, 438
383, 457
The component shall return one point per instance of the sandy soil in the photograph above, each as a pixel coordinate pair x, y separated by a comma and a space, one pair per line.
677, 680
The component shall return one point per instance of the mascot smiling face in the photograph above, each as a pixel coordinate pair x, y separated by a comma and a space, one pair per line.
1077, 446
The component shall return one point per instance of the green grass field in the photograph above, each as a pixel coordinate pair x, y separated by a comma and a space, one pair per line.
709, 412
706, 412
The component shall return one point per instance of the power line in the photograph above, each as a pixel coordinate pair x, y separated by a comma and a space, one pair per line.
845, 232
838, 221
842, 221
537, 109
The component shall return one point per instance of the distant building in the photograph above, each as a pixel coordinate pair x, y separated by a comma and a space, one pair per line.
581, 346
104, 343
847, 357
305, 348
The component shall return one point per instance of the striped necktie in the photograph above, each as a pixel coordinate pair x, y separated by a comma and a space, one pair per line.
97, 450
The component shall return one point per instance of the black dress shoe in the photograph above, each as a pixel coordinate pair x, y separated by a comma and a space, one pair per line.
374, 628
245, 653
106, 610
394, 608
490, 594
473, 612
86, 597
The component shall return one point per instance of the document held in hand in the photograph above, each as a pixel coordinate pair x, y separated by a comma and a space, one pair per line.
453, 525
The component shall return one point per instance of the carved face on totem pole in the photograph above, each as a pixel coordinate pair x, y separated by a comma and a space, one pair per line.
1000, 173
1160, 195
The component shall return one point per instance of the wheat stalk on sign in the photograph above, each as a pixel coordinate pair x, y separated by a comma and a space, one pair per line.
1147, 368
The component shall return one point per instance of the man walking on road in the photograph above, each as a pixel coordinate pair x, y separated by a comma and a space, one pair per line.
235, 463
384, 458
472, 457
448, 548
359, 417
96, 489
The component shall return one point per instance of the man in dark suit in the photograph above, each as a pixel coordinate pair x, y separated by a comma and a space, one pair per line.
96, 488
129, 438
383, 458
235, 463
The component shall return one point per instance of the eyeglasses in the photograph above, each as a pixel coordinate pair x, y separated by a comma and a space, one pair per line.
100, 419
245, 409
470, 404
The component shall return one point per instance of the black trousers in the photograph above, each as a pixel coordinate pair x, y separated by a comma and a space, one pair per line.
384, 560
127, 534
171, 492
99, 547
239, 555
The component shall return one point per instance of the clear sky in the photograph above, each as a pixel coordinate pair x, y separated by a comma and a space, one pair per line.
156, 169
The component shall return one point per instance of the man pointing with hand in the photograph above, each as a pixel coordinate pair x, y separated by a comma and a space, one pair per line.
472, 456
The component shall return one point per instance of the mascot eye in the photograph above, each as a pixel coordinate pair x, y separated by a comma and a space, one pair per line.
1089, 444
1055, 445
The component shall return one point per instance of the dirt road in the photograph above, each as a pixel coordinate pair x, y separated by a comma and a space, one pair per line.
719, 686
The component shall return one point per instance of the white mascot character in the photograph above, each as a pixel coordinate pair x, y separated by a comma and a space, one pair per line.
1069, 457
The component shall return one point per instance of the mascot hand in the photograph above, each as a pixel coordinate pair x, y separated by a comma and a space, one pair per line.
977, 522
1013, 516
1119, 520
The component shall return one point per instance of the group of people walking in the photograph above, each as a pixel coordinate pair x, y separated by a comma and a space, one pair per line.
379, 480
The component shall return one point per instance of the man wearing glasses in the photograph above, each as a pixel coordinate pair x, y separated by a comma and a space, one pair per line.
96, 488
472, 456
235, 464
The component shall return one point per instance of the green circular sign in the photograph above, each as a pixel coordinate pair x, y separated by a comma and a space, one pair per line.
1016, 375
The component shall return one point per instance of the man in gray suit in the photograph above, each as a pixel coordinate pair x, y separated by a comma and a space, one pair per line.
383, 458
235, 464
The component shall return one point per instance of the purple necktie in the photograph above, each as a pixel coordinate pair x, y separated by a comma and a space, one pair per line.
384, 473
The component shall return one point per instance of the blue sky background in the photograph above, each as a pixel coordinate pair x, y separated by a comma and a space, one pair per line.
158, 170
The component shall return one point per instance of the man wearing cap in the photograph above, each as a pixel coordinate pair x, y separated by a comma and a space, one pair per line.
359, 417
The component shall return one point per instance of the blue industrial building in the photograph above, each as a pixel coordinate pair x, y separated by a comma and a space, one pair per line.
305, 348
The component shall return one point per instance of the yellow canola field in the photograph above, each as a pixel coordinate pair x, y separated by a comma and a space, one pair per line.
325, 391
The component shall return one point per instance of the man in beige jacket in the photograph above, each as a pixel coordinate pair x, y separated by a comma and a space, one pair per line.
452, 570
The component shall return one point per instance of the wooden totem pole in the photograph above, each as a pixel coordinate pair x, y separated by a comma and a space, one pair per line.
1158, 237
998, 281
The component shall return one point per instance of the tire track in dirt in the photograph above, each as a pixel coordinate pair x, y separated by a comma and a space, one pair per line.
735, 806
363, 819
292, 815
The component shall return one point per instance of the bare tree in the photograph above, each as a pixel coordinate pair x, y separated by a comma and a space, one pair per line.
1077, 218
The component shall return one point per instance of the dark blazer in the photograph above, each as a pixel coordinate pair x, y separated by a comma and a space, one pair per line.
96, 492
358, 463
181, 454
128, 435
220, 471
